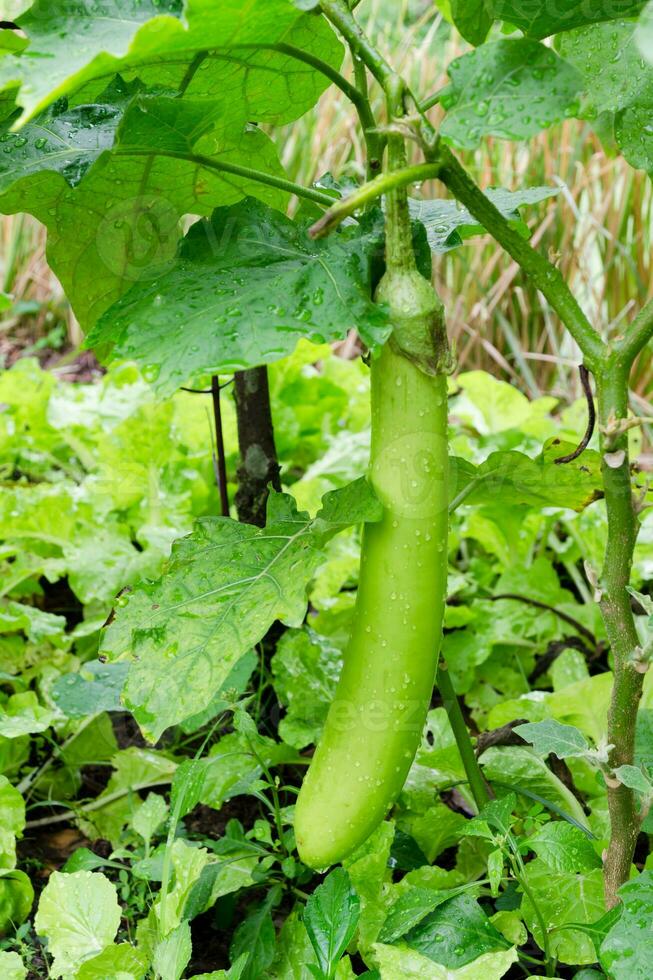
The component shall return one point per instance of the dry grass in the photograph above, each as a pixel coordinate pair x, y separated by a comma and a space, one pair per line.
599, 228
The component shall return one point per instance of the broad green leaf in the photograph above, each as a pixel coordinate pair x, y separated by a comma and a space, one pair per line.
516, 768
124, 962
135, 769
369, 871
563, 847
12, 822
634, 778
617, 80
67, 39
634, 133
149, 816
36, 624
223, 588
255, 936
244, 288
79, 916
187, 864
511, 89
472, 19
607, 56
627, 950
448, 224
455, 933
62, 140
540, 18
235, 868
330, 917
402, 963
120, 225
512, 478
172, 954
23, 715
295, 954
306, 667
96, 687
224, 49
11, 966
412, 905
234, 764
550, 736
16, 898
645, 32
564, 898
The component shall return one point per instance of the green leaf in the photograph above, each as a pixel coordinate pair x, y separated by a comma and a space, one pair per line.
369, 871
634, 778
223, 588
16, 898
150, 815
67, 39
455, 933
120, 225
23, 715
539, 18
564, 847
306, 667
79, 915
295, 954
123, 962
562, 899
511, 89
617, 80
244, 288
12, 822
172, 954
96, 687
519, 769
255, 937
627, 950
448, 224
548, 736
402, 963
187, 864
413, 905
512, 478
12, 967
608, 57
222, 50
472, 19
234, 764
331, 916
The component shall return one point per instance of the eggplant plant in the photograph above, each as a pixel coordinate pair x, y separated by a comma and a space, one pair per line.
152, 112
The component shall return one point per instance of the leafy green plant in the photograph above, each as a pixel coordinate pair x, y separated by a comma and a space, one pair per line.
145, 151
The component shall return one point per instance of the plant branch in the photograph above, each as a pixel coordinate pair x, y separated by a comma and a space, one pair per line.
542, 273
625, 821
248, 173
637, 336
371, 191
342, 19
582, 630
219, 459
475, 777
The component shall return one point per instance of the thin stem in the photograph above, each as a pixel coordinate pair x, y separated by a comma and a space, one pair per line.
220, 460
625, 821
341, 17
356, 94
475, 777
221, 166
637, 336
375, 142
542, 273
97, 804
371, 191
